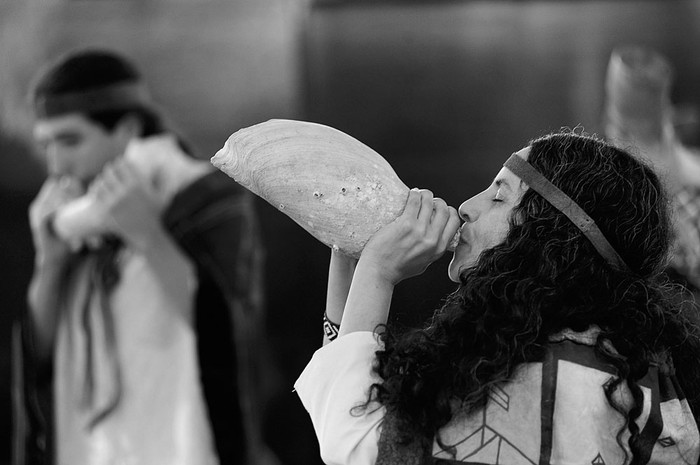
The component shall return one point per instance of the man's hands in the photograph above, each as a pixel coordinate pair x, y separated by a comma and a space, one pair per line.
55, 193
52, 257
129, 200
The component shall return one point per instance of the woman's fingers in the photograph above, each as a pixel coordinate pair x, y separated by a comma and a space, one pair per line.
407, 246
426, 207
440, 212
437, 222
443, 226
413, 204
432, 213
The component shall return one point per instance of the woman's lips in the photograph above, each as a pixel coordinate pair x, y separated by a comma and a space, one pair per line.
457, 239
462, 233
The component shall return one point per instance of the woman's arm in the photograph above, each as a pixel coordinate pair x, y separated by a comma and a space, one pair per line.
403, 248
340, 273
338, 378
332, 386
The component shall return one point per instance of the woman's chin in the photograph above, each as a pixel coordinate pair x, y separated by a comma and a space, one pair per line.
453, 272
457, 264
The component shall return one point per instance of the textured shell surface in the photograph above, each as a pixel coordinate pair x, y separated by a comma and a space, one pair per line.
334, 186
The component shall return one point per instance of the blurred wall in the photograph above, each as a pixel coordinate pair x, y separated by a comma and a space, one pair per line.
214, 66
447, 90
444, 90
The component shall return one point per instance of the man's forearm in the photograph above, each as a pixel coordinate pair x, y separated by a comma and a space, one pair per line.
43, 297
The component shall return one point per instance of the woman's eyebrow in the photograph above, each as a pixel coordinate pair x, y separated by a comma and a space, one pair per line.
502, 183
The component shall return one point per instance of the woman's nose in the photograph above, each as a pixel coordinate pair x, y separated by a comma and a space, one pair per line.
467, 212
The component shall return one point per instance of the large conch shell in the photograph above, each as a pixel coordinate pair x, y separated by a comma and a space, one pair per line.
332, 185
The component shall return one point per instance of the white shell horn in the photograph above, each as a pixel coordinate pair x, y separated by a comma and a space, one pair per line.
332, 185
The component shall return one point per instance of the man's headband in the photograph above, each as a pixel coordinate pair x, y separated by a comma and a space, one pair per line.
119, 96
562, 202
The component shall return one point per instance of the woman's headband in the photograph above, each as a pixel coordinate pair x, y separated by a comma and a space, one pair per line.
562, 202
118, 96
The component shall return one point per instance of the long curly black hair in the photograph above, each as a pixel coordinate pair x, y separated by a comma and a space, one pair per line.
544, 278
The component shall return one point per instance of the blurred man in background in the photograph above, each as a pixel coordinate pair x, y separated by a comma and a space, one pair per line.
639, 114
142, 342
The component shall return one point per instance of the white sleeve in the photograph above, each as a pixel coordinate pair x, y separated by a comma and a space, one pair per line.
337, 379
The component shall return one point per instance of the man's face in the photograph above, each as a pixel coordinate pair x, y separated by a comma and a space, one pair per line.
77, 147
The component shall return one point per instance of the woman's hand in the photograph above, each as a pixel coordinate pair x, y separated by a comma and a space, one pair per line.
418, 237
401, 249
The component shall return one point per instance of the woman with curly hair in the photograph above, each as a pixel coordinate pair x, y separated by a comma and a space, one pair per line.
563, 344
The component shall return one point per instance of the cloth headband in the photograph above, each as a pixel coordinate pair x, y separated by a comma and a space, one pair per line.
565, 204
112, 97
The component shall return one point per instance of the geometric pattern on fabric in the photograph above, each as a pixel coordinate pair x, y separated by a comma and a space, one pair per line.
497, 436
330, 329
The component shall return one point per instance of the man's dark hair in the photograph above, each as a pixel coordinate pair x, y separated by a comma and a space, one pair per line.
89, 70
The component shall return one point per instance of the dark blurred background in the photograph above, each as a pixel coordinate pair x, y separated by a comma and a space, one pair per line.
444, 90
